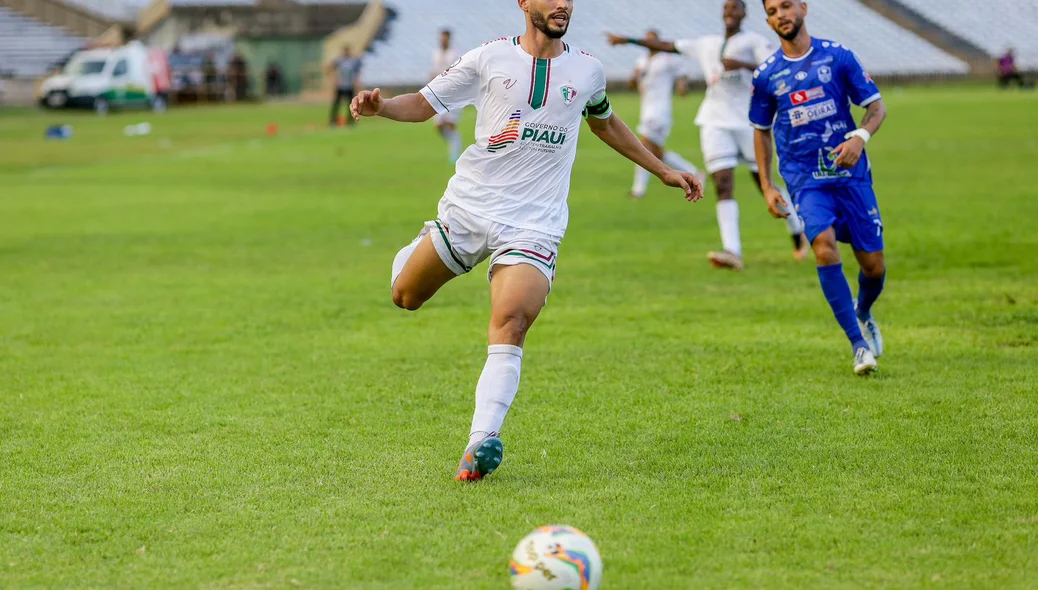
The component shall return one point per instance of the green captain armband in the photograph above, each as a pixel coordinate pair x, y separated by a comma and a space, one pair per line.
600, 110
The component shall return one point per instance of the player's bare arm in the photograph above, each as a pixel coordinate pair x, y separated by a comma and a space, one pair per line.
653, 45
849, 152
407, 108
732, 65
763, 149
617, 135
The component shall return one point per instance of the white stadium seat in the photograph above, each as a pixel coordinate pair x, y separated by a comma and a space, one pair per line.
992, 25
406, 56
28, 47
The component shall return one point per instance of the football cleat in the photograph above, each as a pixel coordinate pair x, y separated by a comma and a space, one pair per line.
870, 330
480, 459
864, 361
725, 260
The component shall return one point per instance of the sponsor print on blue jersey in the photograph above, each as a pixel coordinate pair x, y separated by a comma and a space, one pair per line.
807, 101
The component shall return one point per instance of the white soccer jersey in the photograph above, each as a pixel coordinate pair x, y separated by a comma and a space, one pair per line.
727, 102
529, 113
656, 77
443, 59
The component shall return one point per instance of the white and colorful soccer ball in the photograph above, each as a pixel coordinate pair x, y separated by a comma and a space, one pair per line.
556, 558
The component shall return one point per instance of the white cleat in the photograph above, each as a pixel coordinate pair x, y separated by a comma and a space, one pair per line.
725, 259
864, 362
870, 331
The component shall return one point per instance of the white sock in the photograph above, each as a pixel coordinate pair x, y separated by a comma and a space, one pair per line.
496, 389
641, 181
675, 161
453, 144
793, 222
401, 259
728, 220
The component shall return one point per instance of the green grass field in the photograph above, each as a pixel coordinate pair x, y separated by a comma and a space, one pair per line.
205, 384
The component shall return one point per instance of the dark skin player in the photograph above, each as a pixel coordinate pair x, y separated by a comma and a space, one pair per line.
734, 13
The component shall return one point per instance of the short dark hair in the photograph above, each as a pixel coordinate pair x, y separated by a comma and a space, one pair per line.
445, 31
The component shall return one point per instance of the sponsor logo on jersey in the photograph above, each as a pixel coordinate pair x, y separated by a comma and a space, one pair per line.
778, 75
803, 115
801, 76
825, 74
544, 137
569, 94
828, 132
508, 135
801, 96
826, 60
828, 169
782, 88
509, 83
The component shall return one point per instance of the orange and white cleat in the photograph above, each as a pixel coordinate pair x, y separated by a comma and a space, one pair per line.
725, 260
480, 459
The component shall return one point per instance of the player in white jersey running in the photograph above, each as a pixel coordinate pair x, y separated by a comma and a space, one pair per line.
654, 77
447, 123
725, 133
507, 201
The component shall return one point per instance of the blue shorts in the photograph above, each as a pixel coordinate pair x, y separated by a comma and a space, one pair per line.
851, 210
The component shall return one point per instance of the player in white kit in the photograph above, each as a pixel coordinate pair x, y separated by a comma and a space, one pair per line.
447, 123
654, 77
725, 133
507, 201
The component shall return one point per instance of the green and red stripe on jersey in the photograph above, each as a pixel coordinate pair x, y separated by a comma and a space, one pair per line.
540, 79
444, 234
546, 261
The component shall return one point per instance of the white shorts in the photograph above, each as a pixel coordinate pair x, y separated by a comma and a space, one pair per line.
724, 149
463, 240
448, 118
655, 130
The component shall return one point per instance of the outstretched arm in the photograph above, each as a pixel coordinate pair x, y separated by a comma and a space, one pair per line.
665, 46
408, 108
731, 65
615, 133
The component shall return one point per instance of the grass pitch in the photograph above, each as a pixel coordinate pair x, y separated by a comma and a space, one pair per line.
205, 384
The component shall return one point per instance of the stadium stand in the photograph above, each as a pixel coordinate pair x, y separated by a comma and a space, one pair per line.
404, 58
28, 48
993, 25
122, 10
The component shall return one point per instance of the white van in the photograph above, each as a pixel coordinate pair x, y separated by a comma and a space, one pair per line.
131, 76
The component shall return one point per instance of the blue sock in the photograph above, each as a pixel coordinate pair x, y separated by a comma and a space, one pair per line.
868, 293
838, 293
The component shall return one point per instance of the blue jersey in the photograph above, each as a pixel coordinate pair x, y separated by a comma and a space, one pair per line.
807, 101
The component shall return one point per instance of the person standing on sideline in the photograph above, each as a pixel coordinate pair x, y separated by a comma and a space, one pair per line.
447, 123
346, 70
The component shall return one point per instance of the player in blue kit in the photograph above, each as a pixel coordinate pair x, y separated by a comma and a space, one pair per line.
802, 95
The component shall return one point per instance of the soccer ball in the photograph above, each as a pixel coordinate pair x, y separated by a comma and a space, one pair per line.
556, 558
